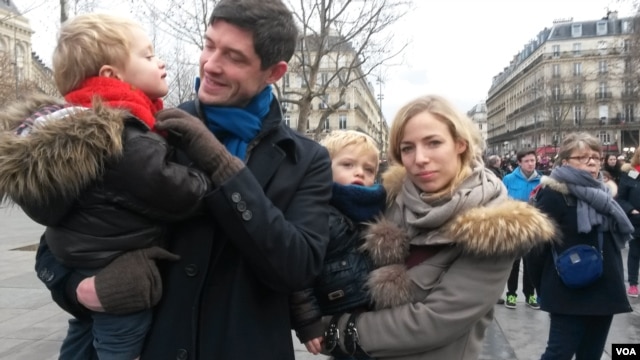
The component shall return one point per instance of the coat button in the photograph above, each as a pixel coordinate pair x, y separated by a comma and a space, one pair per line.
247, 215
46, 275
191, 270
242, 206
235, 197
182, 354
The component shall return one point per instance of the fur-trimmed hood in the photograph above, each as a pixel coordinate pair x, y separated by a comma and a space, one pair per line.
58, 157
626, 167
504, 228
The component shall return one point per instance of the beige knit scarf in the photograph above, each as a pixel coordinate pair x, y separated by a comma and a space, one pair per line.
423, 213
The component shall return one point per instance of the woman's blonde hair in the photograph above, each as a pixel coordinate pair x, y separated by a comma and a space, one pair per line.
88, 42
460, 127
577, 140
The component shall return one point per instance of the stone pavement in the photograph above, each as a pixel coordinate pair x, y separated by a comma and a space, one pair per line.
32, 327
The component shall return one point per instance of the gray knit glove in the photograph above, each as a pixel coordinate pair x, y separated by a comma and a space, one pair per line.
132, 282
200, 144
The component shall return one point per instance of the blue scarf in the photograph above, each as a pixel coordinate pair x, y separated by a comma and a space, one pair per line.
236, 127
359, 203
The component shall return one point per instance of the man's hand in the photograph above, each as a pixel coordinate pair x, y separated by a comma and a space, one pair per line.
200, 144
87, 295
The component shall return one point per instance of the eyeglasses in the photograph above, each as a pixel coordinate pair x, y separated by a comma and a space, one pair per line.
585, 159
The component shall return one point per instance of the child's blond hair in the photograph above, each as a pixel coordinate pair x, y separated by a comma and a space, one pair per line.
339, 139
88, 42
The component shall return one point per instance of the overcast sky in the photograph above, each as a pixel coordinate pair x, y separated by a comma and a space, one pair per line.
457, 47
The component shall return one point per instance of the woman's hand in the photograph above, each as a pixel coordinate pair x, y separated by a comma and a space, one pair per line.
314, 346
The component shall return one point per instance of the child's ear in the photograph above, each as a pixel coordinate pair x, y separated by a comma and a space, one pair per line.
108, 71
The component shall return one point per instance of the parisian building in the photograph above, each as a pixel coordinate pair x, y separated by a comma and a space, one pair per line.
360, 111
478, 114
573, 76
19, 64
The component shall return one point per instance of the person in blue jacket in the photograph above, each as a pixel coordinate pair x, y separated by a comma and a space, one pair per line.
519, 184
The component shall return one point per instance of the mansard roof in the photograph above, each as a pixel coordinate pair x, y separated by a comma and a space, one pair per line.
8, 5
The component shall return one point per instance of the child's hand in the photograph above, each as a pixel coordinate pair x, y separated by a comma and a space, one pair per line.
314, 346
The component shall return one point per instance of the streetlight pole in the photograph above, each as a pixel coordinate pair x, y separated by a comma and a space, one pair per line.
380, 124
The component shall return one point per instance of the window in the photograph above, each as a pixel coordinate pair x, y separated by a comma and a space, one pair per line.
602, 47
604, 137
628, 113
602, 90
626, 26
324, 102
556, 51
577, 91
603, 114
285, 106
342, 120
577, 69
577, 49
555, 92
601, 28
628, 65
325, 126
577, 114
603, 68
303, 81
626, 45
576, 30
628, 88
556, 114
556, 70
285, 81
324, 78
287, 120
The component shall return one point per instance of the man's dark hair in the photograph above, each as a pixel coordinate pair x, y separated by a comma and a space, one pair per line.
524, 152
270, 21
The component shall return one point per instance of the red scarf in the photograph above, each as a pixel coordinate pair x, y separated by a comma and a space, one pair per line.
116, 94
637, 168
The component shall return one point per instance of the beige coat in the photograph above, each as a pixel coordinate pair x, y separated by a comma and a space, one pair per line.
441, 308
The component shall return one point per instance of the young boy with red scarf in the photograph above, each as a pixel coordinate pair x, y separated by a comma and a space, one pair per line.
94, 171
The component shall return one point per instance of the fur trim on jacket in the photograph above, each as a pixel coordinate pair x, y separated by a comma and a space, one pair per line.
59, 156
507, 228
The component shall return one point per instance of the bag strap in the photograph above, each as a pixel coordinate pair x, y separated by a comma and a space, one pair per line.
600, 244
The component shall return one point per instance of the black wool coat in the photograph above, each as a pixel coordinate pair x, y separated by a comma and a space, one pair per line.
264, 236
606, 296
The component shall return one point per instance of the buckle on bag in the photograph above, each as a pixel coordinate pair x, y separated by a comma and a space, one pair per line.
332, 334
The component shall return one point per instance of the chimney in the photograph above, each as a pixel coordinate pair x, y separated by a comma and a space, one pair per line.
612, 15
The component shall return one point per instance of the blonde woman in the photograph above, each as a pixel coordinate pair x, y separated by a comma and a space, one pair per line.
445, 247
575, 196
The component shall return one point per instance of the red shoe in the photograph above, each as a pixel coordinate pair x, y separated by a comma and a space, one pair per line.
633, 291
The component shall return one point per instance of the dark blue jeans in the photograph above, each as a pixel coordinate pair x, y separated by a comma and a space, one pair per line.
633, 261
581, 335
106, 337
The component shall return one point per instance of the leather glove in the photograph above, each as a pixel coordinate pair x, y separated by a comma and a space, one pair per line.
132, 281
200, 144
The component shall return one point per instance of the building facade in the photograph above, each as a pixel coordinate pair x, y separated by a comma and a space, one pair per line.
574, 76
332, 85
20, 68
478, 114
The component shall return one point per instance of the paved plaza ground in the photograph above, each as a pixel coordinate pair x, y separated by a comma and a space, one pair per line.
32, 326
